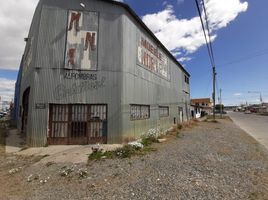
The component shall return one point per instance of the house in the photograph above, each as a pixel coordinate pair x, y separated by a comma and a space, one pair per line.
93, 72
201, 106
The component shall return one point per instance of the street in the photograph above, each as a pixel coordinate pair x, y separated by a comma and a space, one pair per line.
255, 125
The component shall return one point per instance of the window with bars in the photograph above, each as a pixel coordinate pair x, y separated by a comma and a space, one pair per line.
163, 111
138, 112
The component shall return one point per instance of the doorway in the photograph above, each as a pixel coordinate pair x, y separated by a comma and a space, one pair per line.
77, 124
25, 111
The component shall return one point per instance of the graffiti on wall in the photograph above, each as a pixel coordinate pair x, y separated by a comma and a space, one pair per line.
82, 37
151, 57
80, 75
63, 91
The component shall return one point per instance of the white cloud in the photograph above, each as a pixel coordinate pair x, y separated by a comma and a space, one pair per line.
180, 1
237, 94
183, 59
180, 35
220, 13
119, 0
15, 19
7, 88
176, 54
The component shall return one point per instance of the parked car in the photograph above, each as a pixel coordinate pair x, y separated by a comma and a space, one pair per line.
247, 112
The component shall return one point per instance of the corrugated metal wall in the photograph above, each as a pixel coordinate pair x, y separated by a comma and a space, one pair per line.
15, 113
118, 80
141, 86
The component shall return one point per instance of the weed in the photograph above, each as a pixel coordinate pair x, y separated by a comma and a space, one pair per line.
96, 155
179, 126
126, 151
146, 141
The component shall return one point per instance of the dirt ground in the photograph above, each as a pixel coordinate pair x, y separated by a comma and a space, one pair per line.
206, 161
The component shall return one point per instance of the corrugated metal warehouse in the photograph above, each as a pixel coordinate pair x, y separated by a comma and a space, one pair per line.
93, 72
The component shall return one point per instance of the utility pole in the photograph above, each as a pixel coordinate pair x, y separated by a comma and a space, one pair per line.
214, 92
257, 93
221, 104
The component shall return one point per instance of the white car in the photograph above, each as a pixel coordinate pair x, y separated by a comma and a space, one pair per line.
247, 112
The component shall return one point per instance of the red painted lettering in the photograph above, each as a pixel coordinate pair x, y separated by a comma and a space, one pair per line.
75, 17
71, 56
90, 41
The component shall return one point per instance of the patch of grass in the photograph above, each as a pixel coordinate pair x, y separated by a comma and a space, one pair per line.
147, 141
126, 151
97, 155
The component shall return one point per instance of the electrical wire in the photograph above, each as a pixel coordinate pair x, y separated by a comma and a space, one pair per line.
209, 47
208, 29
203, 27
249, 57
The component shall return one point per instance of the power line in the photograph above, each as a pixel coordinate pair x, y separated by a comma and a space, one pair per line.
249, 57
209, 35
210, 50
205, 35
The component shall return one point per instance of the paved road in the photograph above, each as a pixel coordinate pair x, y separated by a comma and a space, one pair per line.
255, 125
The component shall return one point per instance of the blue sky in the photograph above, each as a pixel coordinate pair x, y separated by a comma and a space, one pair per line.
240, 42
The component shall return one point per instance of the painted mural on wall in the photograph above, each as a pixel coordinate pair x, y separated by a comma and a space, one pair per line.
82, 37
151, 57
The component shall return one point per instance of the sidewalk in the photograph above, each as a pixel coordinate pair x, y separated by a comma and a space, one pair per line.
53, 153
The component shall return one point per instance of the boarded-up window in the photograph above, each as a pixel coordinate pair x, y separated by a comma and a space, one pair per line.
138, 112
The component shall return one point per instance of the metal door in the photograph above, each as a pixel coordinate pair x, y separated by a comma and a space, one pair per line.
77, 124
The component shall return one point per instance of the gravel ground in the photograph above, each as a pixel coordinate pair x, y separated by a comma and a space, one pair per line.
209, 161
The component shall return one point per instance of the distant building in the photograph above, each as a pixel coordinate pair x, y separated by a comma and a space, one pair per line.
202, 102
201, 106
96, 73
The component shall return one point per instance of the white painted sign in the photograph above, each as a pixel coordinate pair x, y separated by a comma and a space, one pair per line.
151, 57
82, 37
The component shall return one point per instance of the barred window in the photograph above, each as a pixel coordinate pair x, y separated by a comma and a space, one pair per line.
163, 111
138, 112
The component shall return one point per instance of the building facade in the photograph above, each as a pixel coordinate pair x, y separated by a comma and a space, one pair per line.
93, 72
201, 107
